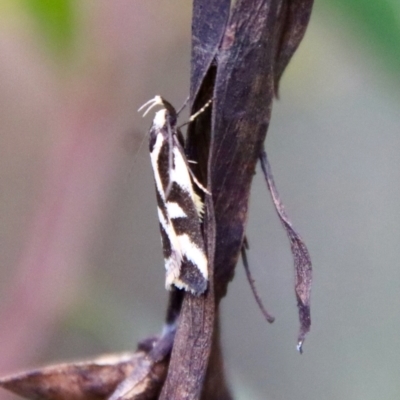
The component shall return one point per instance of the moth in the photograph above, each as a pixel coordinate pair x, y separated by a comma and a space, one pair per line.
180, 208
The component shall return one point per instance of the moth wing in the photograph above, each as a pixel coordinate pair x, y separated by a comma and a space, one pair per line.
158, 156
179, 214
171, 249
184, 210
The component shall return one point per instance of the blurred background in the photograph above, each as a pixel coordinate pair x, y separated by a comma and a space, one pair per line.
81, 269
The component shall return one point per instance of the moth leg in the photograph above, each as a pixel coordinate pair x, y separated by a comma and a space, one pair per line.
194, 179
202, 109
196, 114
198, 184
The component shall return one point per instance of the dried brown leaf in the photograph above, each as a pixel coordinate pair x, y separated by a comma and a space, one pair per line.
87, 380
144, 383
146, 380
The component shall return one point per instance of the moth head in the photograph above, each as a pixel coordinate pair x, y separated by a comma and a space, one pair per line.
168, 111
160, 119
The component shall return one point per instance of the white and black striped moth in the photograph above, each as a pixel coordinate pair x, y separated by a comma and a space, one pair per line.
180, 208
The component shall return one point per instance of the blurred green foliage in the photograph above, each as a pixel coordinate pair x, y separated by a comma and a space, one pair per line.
378, 21
57, 21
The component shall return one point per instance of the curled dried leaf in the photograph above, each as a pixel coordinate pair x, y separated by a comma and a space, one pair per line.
301, 256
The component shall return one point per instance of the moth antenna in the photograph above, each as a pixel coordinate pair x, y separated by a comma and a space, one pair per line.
170, 154
157, 100
183, 106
